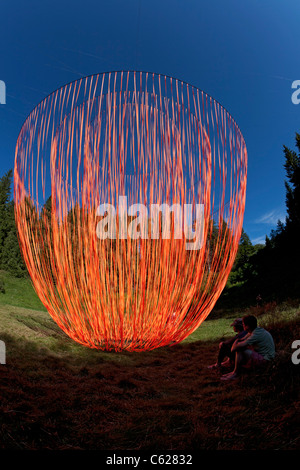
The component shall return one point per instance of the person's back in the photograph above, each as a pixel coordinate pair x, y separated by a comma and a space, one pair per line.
262, 342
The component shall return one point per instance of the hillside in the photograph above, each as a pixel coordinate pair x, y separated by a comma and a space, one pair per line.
56, 394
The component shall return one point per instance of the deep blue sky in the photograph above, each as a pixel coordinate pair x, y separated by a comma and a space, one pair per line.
245, 53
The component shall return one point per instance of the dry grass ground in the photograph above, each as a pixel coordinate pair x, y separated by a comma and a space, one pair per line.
56, 394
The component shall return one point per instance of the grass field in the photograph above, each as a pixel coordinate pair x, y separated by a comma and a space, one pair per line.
56, 394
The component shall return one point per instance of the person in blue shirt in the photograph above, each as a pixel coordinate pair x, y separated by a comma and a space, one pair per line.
225, 346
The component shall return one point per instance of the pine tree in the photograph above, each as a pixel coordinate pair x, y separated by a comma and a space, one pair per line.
10, 255
278, 263
5, 195
292, 168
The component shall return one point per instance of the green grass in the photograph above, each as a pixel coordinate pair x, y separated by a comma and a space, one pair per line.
19, 292
57, 394
23, 312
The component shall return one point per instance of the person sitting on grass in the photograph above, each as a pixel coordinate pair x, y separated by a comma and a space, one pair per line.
255, 349
225, 346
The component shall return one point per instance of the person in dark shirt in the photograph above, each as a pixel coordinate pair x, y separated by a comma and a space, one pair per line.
255, 349
225, 346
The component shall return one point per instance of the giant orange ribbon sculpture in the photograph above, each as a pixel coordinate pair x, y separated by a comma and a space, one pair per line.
110, 171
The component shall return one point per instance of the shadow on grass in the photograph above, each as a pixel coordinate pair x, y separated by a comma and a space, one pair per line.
165, 399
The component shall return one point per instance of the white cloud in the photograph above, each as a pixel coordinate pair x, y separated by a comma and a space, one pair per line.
272, 217
259, 240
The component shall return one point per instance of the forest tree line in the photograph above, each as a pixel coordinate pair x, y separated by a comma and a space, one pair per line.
269, 272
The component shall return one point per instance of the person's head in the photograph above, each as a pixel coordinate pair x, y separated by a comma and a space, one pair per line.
249, 322
237, 325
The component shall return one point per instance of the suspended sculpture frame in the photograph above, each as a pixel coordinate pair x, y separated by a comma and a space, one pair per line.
151, 140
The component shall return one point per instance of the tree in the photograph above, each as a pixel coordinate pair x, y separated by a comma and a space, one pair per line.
10, 255
5, 209
292, 168
243, 268
277, 264
274, 269
283, 244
